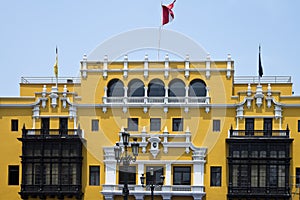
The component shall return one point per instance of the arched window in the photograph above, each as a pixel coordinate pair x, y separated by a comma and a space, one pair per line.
156, 88
136, 88
115, 88
176, 88
197, 88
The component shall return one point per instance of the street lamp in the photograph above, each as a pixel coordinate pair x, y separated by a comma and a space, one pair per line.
126, 158
152, 182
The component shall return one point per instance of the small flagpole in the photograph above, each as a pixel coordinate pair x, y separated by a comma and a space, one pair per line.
56, 66
259, 63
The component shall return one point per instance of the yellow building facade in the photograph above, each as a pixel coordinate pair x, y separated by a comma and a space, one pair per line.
211, 134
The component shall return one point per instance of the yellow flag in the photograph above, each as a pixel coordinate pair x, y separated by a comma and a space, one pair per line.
56, 64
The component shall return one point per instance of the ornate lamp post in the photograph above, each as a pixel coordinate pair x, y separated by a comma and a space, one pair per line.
126, 158
152, 182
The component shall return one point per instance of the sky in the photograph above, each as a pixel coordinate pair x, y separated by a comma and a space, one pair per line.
31, 30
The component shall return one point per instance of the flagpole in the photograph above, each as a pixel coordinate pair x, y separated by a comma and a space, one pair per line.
56, 67
56, 82
56, 75
159, 34
159, 37
258, 64
260, 71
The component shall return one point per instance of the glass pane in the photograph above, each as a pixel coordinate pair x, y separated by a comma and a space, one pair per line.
216, 125
13, 175
281, 176
156, 89
55, 152
94, 175
133, 124
281, 154
47, 150
177, 179
244, 175
177, 89
47, 173
254, 176
262, 176
65, 150
177, 124
215, 176
262, 154
136, 89
37, 151
131, 175
235, 172
155, 124
37, 174
182, 175
273, 154
197, 88
65, 174
157, 172
115, 88
236, 154
54, 174
28, 174
273, 175
73, 174
95, 125
254, 154
74, 150
244, 154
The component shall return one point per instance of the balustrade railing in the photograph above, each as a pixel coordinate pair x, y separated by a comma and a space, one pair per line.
264, 79
70, 133
133, 188
260, 133
45, 80
156, 100
181, 188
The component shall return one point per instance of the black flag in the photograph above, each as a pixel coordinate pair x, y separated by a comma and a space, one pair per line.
260, 69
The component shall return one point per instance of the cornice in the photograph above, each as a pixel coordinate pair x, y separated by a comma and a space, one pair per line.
157, 70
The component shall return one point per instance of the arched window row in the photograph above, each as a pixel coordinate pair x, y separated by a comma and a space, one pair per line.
156, 88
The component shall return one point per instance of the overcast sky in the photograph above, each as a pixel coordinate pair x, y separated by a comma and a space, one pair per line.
31, 29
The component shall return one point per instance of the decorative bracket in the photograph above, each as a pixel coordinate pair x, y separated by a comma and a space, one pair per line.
240, 112
154, 150
259, 95
54, 97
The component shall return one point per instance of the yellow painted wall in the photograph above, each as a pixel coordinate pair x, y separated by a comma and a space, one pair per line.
197, 120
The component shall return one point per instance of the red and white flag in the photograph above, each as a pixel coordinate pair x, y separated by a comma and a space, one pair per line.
167, 13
